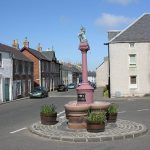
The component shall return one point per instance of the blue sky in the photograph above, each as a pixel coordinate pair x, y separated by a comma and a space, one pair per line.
57, 23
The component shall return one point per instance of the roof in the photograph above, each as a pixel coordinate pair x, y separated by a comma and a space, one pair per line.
36, 53
91, 73
138, 31
112, 34
15, 52
50, 55
71, 68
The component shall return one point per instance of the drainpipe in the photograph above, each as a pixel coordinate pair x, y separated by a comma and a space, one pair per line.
109, 87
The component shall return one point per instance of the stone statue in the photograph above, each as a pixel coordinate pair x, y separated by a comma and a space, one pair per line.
81, 35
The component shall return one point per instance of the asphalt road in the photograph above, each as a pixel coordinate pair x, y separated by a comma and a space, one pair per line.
16, 117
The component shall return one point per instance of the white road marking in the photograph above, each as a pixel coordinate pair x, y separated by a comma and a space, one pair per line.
18, 130
142, 109
62, 112
121, 112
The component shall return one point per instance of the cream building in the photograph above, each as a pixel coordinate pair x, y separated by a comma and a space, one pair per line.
102, 73
129, 55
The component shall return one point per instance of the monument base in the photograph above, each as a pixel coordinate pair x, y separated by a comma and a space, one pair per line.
87, 90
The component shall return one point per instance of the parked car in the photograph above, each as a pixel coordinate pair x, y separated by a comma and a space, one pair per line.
62, 88
39, 92
93, 85
71, 86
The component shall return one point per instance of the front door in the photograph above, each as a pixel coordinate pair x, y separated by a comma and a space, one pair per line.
7, 89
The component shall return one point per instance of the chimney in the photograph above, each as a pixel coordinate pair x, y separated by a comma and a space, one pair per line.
26, 43
15, 44
39, 48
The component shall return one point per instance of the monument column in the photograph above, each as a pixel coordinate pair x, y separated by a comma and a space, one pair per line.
85, 90
84, 67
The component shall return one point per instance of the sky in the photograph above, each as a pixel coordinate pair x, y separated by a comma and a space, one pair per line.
56, 23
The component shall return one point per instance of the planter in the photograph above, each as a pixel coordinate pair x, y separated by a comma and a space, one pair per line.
111, 118
95, 127
48, 119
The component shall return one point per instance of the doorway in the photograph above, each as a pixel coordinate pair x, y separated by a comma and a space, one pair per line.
6, 89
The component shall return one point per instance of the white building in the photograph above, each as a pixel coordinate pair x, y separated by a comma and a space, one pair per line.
5, 75
102, 73
129, 54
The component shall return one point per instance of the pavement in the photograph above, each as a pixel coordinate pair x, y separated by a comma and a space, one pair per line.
122, 129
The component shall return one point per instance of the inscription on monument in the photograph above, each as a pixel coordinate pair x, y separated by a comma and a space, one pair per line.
81, 98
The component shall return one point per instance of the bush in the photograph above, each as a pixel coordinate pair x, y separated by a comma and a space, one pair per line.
113, 108
97, 117
106, 91
48, 109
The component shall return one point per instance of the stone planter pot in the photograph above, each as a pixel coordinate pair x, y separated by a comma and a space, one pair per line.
50, 119
111, 118
95, 127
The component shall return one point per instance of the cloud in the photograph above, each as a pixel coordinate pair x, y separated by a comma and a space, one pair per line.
122, 2
111, 21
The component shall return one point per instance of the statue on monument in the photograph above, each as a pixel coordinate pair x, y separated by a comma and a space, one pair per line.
81, 35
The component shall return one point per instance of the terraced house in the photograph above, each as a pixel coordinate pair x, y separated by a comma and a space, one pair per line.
16, 73
46, 66
129, 56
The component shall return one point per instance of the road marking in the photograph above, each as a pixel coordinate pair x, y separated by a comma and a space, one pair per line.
142, 109
62, 112
18, 130
121, 112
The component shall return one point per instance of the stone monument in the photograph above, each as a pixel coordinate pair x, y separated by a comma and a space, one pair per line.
77, 111
85, 90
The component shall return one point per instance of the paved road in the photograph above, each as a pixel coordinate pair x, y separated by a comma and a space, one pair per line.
16, 117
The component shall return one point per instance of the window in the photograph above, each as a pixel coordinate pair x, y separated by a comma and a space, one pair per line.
132, 45
29, 68
18, 87
0, 60
132, 60
16, 67
133, 82
23, 67
47, 65
42, 64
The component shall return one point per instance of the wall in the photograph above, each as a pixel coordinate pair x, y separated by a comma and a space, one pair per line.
5, 73
102, 74
120, 71
36, 67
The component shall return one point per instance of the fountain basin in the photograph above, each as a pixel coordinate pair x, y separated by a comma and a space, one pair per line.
76, 112
99, 105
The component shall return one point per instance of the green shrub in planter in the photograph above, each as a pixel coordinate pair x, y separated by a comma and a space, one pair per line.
97, 117
96, 121
48, 114
112, 113
48, 109
113, 108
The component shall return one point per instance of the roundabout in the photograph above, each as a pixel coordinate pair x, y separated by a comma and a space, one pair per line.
122, 129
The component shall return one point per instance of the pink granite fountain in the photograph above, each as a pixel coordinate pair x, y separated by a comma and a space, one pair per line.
77, 111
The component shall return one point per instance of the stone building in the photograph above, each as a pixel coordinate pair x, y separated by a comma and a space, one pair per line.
129, 53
